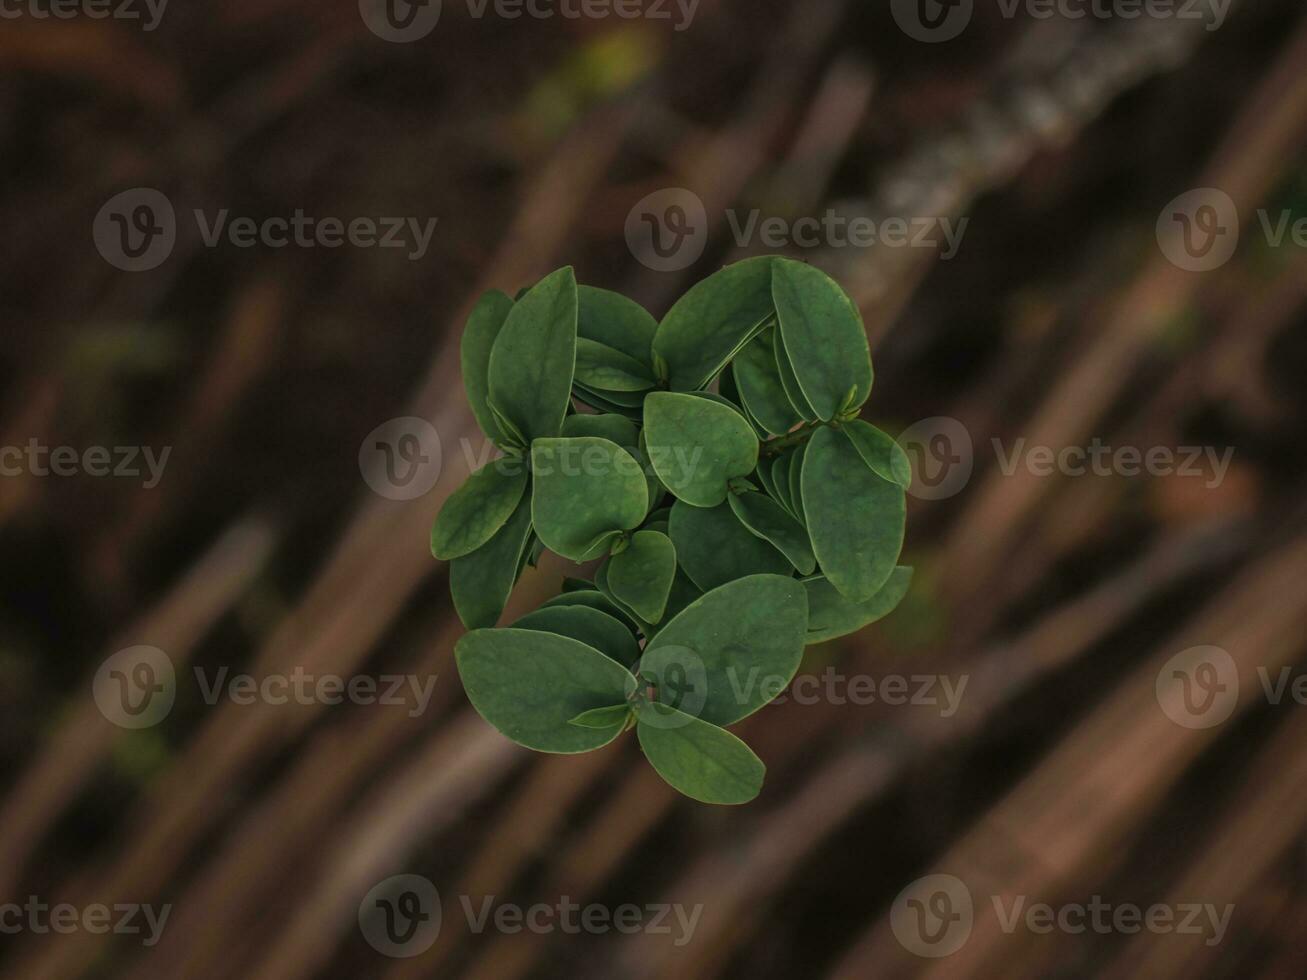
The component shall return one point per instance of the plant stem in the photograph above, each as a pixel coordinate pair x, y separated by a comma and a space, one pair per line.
773, 446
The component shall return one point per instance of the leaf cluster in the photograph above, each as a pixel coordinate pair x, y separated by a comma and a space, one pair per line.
714, 465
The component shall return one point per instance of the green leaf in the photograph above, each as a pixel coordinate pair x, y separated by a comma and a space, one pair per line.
479, 508
530, 685
623, 399
602, 404
603, 368
855, 518
796, 488
697, 758
614, 714
770, 521
601, 580
480, 583
731, 393
742, 641
715, 548
761, 390
831, 615
592, 627
641, 576
483, 326
683, 593
614, 428
533, 358
823, 336
617, 322
885, 456
697, 446
780, 478
585, 489
763, 475
789, 382
594, 599
711, 322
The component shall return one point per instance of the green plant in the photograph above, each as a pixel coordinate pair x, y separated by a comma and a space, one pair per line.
785, 522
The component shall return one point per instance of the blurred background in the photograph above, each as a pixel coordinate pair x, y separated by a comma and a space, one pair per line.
240, 240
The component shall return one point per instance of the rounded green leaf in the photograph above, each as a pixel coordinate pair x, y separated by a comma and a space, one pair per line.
831, 615
855, 518
592, 627
697, 758
614, 714
601, 404
823, 336
710, 323
530, 381
480, 583
789, 382
617, 322
759, 383
745, 639
606, 369
697, 445
479, 508
584, 490
614, 428
772, 522
885, 456
796, 487
483, 326
714, 548
530, 685
780, 478
594, 599
641, 575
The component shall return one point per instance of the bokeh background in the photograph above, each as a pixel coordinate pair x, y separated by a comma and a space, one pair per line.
1080, 760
